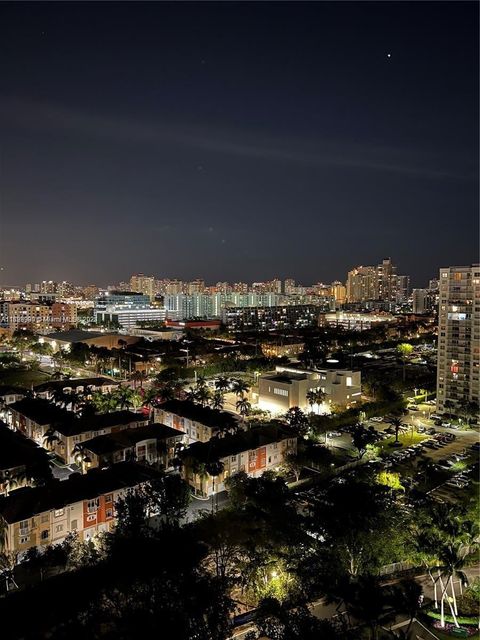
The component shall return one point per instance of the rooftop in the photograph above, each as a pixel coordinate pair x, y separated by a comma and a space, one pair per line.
68, 423
30, 501
111, 442
285, 378
73, 383
205, 415
41, 411
75, 335
16, 450
9, 390
217, 448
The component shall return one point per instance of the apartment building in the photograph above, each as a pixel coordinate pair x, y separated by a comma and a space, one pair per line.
153, 444
37, 316
196, 422
21, 460
36, 416
379, 282
39, 516
254, 451
143, 284
458, 370
287, 387
47, 390
295, 316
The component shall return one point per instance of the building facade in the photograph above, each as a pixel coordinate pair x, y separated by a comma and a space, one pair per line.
196, 422
458, 370
44, 515
255, 451
288, 387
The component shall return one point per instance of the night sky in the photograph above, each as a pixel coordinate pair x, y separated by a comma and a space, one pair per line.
237, 141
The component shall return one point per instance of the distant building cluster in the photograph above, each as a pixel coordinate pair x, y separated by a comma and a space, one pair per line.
145, 301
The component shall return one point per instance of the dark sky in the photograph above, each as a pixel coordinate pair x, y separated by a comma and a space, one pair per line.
237, 141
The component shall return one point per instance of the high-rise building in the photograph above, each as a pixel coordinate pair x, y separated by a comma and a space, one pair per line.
377, 283
386, 281
420, 301
195, 286
289, 286
362, 284
339, 292
402, 289
139, 283
458, 370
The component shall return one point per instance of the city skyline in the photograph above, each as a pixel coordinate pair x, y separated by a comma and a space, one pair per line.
173, 142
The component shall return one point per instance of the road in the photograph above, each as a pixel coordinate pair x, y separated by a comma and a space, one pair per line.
322, 610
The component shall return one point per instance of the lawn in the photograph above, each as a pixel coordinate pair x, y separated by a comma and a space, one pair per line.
406, 440
22, 377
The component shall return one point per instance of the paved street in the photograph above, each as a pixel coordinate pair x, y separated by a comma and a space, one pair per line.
322, 610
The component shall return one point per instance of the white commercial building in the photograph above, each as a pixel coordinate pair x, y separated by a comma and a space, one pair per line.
288, 387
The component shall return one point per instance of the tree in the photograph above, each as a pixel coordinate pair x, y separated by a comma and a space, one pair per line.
311, 398
243, 407
217, 401
214, 469
50, 438
396, 423
293, 463
404, 350
222, 384
367, 600
297, 420
202, 395
406, 598
362, 437
240, 387
281, 621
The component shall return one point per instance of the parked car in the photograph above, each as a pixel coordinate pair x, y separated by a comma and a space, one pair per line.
377, 419
446, 425
430, 431
334, 434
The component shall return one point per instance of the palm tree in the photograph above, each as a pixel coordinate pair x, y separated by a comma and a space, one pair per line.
60, 397
202, 395
453, 559
123, 396
214, 469
311, 398
319, 397
396, 423
222, 384
9, 481
191, 394
407, 599
50, 438
240, 387
404, 349
217, 401
243, 407
366, 600
73, 399
201, 382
